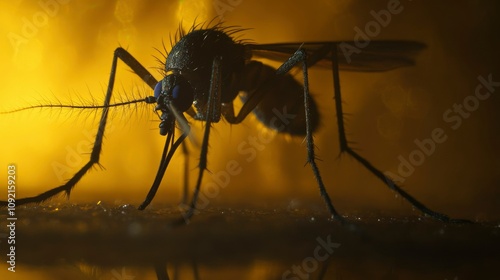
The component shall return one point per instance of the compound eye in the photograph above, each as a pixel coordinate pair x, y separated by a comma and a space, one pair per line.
183, 96
157, 91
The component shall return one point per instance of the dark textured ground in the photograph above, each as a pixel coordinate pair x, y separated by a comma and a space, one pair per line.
119, 242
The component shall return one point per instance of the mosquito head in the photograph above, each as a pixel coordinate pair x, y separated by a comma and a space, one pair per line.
172, 93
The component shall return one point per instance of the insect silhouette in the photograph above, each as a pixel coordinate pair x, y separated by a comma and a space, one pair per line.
207, 69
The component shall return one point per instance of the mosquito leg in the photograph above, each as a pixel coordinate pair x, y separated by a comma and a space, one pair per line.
196, 272
136, 67
185, 188
202, 167
126, 57
213, 113
159, 173
301, 57
324, 269
161, 271
344, 147
168, 152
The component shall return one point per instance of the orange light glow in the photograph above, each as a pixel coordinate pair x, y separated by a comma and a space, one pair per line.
63, 54
60, 52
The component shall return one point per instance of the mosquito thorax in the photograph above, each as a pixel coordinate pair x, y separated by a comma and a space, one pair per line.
192, 56
196, 50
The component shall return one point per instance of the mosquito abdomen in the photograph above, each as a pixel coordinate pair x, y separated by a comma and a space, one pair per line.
282, 107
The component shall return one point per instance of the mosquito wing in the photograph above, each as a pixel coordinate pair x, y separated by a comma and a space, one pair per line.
375, 56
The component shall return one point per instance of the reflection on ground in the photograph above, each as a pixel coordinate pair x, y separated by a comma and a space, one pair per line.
105, 241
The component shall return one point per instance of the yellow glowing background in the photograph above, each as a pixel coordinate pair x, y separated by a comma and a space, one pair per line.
65, 54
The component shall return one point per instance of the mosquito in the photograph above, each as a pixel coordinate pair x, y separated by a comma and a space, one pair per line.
207, 68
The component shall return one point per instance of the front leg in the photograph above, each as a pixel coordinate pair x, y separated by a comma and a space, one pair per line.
212, 114
126, 57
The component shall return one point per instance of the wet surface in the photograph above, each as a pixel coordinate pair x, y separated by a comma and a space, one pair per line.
223, 243
68, 54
